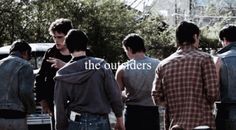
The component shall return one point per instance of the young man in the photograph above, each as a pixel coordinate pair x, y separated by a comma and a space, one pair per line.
135, 77
186, 83
16, 87
82, 95
226, 69
53, 59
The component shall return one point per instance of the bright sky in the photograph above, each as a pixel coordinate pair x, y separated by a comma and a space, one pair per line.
138, 4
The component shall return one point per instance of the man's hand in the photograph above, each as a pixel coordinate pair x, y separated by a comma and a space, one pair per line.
45, 107
56, 63
119, 124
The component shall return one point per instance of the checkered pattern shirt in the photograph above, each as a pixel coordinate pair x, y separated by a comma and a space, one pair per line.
186, 84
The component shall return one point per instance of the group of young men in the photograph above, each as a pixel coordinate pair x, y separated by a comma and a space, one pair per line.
187, 83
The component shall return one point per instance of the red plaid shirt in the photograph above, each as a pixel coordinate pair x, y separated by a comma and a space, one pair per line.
186, 84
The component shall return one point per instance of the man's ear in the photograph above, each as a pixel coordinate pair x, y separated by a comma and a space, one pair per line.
130, 50
225, 41
25, 55
196, 37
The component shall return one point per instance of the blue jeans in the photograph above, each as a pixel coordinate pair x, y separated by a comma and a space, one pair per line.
90, 122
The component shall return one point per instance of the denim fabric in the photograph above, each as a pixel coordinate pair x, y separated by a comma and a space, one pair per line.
90, 122
227, 74
226, 110
13, 124
16, 92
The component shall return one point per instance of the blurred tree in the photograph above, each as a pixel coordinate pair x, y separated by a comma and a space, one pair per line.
106, 22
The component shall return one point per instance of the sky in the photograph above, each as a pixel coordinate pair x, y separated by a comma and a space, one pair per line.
138, 4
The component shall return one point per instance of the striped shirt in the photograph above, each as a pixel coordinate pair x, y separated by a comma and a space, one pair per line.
186, 84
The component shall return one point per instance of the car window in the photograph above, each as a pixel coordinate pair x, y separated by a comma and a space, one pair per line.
38, 50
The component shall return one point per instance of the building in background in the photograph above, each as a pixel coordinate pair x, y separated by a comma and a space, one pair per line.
203, 12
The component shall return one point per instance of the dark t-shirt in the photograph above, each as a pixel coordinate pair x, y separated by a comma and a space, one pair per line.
44, 85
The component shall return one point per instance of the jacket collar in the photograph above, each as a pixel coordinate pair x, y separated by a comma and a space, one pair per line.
16, 53
227, 48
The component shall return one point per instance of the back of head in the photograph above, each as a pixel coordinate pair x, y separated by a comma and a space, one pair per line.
61, 25
228, 32
20, 46
134, 42
76, 40
185, 33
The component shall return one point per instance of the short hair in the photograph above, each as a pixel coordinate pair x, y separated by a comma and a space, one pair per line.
134, 42
61, 25
185, 32
228, 32
76, 40
20, 46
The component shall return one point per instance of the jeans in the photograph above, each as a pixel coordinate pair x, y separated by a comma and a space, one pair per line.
90, 122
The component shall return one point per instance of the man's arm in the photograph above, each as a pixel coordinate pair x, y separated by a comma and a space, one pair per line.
210, 80
26, 83
60, 97
157, 89
114, 94
119, 123
218, 63
40, 85
119, 77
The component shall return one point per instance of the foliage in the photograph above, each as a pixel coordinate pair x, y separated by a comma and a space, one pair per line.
106, 22
158, 36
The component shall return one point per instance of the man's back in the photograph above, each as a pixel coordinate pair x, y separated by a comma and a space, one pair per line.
11, 72
138, 78
189, 83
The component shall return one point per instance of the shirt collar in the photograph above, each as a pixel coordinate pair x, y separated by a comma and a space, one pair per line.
186, 48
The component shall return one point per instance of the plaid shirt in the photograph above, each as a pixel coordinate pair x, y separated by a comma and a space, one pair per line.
186, 84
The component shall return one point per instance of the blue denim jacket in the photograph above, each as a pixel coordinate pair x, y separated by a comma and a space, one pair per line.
16, 84
228, 73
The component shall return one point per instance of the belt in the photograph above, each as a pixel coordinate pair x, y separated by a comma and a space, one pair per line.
12, 114
76, 116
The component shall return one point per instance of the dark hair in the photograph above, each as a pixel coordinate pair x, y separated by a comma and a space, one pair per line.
228, 32
76, 40
185, 32
61, 25
134, 42
20, 46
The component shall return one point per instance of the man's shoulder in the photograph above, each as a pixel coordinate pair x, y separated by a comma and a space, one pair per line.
153, 60
17, 61
202, 54
96, 60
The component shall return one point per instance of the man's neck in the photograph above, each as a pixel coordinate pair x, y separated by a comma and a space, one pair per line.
64, 51
138, 56
78, 53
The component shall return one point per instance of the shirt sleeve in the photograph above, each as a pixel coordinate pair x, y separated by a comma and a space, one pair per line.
26, 83
158, 95
113, 92
60, 97
211, 84
40, 83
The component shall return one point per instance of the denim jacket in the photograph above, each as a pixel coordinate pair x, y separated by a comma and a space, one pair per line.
16, 84
228, 73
